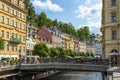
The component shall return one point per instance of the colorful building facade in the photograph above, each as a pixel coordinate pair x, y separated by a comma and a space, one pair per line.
69, 43
13, 27
56, 37
44, 36
76, 45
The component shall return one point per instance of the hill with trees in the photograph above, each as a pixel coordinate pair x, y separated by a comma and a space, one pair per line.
41, 19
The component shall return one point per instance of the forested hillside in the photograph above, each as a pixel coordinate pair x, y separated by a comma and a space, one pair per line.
41, 19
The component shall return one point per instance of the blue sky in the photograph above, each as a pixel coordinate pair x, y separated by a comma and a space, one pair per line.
78, 12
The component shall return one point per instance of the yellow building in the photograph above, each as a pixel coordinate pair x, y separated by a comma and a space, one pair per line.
110, 27
13, 27
69, 43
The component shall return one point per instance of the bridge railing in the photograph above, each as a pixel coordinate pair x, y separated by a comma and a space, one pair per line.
66, 60
6, 62
55, 60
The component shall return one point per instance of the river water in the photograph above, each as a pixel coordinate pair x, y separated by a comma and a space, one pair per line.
77, 76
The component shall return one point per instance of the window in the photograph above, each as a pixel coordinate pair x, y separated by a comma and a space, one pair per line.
114, 35
20, 15
113, 2
113, 17
12, 22
7, 34
20, 37
7, 9
7, 47
28, 30
2, 19
23, 26
3, 6
7, 21
20, 25
13, 11
16, 49
16, 23
20, 50
16, 13
24, 49
2, 33
12, 47
29, 35
12, 35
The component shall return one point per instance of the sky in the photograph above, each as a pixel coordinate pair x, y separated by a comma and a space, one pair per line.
78, 12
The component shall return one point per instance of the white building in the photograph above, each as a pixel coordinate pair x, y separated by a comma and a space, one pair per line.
98, 48
30, 38
82, 47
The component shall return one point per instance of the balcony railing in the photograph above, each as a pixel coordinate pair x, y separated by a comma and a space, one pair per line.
16, 40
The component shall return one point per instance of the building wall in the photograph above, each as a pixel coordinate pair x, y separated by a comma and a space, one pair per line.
69, 43
108, 26
30, 38
56, 37
44, 36
63, 40
13, 21
82, 47
76, 45
56, 40
98, 48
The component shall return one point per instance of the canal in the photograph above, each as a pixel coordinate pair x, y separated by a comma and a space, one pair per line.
76, 76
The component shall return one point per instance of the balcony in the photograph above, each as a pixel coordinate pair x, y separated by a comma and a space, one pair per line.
16, 40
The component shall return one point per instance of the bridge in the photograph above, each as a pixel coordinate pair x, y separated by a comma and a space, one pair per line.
63, 67
37, 69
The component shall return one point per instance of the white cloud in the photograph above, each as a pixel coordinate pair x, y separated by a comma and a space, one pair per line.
93, 26
47, 5
89, 11
88, 1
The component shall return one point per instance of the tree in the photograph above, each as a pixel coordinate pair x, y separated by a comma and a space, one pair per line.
54, 52
41, 50
42, 19
31, 12
84, 33
70, 53
1, 44
62, 52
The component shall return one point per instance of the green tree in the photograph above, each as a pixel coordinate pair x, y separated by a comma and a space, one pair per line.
62, 52
70, 53
1, 44
30, 12
84, 33
42, 20
54, 53
41, 50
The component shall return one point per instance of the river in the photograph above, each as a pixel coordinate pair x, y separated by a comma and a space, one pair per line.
77, 76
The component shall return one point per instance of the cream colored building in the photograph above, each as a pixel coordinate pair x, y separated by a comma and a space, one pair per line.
111, 26
31, 38
82, 46
13, 27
